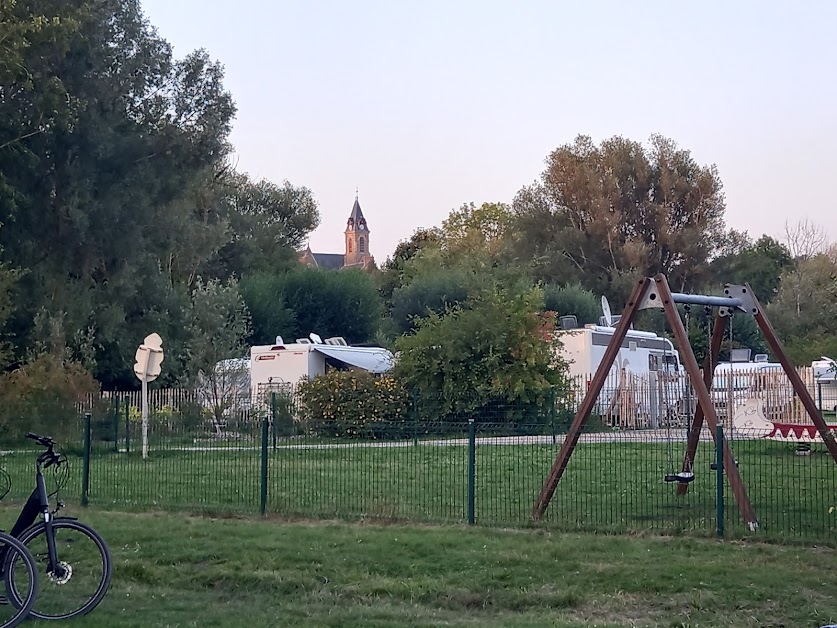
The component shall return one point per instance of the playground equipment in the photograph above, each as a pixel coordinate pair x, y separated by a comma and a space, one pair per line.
654, 292
750, 420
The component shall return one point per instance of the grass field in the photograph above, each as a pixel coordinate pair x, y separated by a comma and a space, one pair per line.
179, 570
613, 486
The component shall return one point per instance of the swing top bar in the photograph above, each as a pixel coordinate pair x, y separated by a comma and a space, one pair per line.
702, 299
735, 297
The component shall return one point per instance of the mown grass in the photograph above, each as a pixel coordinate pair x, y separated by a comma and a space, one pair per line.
610, 486
179, 570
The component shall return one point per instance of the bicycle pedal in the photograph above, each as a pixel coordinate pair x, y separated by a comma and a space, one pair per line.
3, 600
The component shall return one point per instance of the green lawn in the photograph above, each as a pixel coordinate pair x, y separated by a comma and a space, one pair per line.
177, 570
612, 486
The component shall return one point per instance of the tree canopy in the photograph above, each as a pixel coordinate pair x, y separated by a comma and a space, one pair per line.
605, 214
117, 198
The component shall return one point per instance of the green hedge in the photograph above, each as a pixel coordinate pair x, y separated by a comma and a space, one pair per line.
355, 404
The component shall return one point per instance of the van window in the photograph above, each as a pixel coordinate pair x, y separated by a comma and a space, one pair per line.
671, 363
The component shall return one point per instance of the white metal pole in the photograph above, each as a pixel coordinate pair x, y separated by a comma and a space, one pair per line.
144, 419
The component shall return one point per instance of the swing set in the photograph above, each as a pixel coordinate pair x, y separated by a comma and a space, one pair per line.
654, 292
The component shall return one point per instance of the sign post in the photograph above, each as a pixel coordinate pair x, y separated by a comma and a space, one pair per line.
149, 357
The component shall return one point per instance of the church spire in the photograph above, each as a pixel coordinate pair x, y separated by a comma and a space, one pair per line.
356, 221
357, 238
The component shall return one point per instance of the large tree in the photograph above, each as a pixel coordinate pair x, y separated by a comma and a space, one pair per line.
116, 192
603, 214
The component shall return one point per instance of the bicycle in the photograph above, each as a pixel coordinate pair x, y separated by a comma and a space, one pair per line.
73, 556
15, 556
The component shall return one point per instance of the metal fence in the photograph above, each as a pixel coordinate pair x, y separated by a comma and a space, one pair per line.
484, 466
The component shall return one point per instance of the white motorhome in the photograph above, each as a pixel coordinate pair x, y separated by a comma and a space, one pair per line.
282, 365
642, 352
647, 365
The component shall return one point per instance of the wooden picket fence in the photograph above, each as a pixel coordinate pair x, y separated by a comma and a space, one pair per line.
654, 400
628, 400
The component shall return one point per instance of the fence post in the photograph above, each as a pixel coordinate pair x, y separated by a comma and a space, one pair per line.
415, 420
85, 469
472, 450
819, 397
115, 425
553, 399
719, 470
273, 416
127, 426
263, 500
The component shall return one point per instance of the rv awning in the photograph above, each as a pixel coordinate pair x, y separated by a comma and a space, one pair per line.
369, 359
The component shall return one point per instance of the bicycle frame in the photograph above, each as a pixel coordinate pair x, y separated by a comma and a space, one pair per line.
38, 503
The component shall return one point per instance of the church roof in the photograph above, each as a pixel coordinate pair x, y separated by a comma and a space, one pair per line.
356, 218
330, 261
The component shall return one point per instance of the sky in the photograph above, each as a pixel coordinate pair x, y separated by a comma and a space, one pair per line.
424, 106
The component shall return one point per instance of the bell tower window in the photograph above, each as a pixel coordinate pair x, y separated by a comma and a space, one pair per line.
361, 245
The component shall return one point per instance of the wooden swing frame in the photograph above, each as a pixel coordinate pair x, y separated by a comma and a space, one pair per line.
654, 292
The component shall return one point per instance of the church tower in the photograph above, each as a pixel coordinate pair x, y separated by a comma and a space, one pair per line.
357, 239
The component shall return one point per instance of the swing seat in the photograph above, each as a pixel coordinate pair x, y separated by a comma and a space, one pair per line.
682, 477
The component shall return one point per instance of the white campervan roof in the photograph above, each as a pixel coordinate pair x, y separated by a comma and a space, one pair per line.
287, 363
825, 370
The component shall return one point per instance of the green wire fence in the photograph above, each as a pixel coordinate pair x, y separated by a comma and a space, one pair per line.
485, 466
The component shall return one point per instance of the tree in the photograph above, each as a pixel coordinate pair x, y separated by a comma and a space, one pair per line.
605, 214
267, 225
805, 309
116, 192
572, 300
271, 315
496, 345
305, 300
398, 269
805, 239
429, 292
219, 326
487, 231
113, 133
760, 263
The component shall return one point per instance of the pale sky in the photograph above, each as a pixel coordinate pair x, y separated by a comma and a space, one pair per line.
428, 105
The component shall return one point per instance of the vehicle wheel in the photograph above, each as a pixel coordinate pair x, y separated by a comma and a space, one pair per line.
80, 580
18, 565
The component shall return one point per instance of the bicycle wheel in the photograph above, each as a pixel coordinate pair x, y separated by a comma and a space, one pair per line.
83, 573
19, 566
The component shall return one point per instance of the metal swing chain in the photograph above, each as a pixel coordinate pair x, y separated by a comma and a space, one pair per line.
687, 468
686, 475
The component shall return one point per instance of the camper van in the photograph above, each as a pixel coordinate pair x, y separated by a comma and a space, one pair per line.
647, 369
642, 352
280, 366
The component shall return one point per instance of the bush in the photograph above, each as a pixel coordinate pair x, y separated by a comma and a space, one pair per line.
355, 404
44, 396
